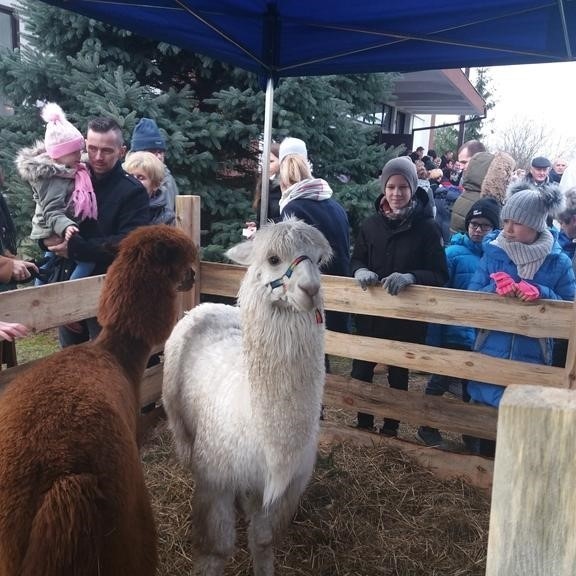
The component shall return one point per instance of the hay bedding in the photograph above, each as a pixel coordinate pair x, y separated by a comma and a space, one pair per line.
367, 511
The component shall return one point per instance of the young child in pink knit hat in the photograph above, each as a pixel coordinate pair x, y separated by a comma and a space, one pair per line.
61, 184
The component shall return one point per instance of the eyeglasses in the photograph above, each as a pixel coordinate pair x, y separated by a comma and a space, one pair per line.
478, 226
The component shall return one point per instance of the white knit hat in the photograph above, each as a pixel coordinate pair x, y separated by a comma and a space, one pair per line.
61, 137
292, 146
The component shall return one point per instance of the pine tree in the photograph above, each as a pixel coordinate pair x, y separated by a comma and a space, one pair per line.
211, 114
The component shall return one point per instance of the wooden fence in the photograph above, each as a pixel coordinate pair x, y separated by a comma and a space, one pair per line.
533, 410
48, 306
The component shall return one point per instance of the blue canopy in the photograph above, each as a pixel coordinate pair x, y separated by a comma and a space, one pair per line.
277, 38
280, 38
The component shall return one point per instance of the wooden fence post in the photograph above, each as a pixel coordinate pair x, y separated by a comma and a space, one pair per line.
188, 220
533, 514
570, 370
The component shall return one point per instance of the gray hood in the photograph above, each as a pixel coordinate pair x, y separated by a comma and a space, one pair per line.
34, 164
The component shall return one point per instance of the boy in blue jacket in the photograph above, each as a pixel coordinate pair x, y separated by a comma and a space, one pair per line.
463, 257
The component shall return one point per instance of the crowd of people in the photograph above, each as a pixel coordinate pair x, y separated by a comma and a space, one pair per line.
89, 195
471, 220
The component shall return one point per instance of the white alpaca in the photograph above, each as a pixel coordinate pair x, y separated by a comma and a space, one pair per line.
243, 389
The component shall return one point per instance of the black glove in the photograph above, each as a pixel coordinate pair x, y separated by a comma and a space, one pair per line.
366, 278
396, 282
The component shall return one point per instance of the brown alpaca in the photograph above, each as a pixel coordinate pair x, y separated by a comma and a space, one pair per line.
72, 495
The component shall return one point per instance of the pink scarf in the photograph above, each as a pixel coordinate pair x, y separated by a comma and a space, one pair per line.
83, 198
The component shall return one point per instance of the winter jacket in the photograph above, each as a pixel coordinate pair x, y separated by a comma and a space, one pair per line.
274, 195
568, 179
487, 175
123, 205
52, 185
463, 257
412, 245
555, 280
169, 190
567, 244
160, 210
330, 218
444, 199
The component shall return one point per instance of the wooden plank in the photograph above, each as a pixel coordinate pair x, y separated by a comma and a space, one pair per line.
413, 407
151, 387
188, 220
437, 305
468, 365
220, 279
150, 391
533, 515
570, 368
475, 470
43, 307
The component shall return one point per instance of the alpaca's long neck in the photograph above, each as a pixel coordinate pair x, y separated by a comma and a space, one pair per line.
283, 348
131, 353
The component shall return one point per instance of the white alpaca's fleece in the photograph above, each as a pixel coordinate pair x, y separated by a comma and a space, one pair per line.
243, 385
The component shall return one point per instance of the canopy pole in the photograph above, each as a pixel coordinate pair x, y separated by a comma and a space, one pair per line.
266, 152
565, 29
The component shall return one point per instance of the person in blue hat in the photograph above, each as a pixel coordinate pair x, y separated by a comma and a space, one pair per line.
146, 137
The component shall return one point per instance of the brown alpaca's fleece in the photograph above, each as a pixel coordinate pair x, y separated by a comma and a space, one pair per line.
72, 495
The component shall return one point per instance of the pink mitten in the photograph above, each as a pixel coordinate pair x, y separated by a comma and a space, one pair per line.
526, 291
504, 283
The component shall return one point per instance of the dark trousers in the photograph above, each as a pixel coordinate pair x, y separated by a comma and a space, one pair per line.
391, 329
397, 378
90, 329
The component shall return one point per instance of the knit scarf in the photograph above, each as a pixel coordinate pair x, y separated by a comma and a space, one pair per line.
527, 257
400, 215
83, 198
311, 188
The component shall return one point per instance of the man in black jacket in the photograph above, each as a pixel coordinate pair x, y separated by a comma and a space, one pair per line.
123, 205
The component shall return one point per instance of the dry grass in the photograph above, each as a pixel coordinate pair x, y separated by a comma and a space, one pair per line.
367, 511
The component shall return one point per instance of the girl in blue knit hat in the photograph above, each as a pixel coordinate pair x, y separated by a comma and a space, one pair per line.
522, 261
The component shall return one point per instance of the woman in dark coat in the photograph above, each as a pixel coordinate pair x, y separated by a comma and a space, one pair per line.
399, 245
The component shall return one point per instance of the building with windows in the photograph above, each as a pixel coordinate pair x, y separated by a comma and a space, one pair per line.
9, 35
418, 99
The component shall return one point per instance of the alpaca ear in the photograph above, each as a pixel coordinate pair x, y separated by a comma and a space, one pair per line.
241, 253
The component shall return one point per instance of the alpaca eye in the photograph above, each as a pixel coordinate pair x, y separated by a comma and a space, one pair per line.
274, 260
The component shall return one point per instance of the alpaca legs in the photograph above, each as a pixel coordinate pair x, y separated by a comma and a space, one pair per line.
260, 540
215, 520
266, 525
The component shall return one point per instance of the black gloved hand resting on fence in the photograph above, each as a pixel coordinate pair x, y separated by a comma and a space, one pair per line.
397, 282
366, 278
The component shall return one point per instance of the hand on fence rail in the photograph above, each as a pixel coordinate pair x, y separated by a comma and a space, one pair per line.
397, 282
366, 278
526, 291
11, 330
505, 286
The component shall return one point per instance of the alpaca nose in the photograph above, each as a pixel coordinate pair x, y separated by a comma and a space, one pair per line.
310, 287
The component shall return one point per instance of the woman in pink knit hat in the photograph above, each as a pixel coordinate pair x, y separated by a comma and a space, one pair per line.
61, 185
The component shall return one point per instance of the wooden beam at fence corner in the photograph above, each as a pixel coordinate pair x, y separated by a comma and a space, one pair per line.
570, 367
533, 515
188, 220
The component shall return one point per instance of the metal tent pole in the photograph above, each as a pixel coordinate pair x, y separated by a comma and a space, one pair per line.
266, 152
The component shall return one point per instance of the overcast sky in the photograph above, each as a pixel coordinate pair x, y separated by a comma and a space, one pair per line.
543, 92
